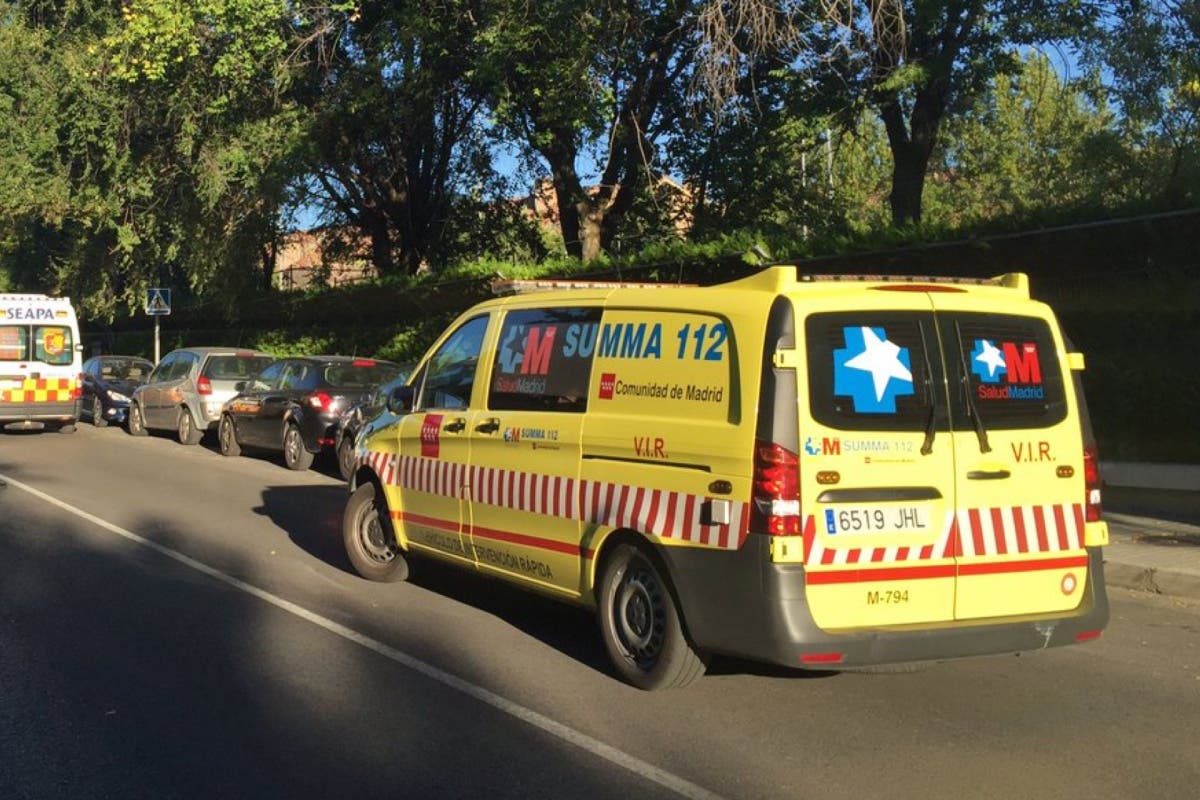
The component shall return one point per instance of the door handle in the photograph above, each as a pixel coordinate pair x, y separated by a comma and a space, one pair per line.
489, 425
456, 426
988, 474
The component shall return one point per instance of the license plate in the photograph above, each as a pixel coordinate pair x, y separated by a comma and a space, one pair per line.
877, 519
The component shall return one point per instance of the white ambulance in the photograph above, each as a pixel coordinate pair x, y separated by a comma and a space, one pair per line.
40, 362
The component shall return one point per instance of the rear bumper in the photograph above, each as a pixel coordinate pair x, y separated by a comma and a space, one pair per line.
742, 604
22, 414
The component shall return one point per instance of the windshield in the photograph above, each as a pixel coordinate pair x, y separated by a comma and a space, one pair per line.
125, 369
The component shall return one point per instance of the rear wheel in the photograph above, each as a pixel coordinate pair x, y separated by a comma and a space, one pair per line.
186, 429
345, 457
641, 625
227, 437
98, 413
137, 424
295, 454
369, 539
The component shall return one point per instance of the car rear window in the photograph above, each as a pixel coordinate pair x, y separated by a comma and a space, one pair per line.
1012, 368
359, 374
234, 367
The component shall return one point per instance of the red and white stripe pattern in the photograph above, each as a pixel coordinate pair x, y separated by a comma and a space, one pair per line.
670, 515
969, 533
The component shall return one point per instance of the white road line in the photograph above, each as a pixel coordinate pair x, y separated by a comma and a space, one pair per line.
593, 746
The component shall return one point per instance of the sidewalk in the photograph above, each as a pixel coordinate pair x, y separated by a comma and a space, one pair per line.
1155, 540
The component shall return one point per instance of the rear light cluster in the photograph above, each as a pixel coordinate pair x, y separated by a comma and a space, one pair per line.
203, 385
1091, 482
776, 490
321, 401
77, 390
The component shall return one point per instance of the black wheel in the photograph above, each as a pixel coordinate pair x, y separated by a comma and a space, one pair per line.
98, 413
641, 625
186, 428
345, 457
295, 454
137, 424
227, 437
369, 539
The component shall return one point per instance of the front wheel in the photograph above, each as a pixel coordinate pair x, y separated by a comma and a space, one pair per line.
295, 454
641, 625
227, 437
98, 413
137, 425
369, 539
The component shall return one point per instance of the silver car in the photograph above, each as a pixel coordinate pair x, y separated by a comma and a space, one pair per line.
188, 387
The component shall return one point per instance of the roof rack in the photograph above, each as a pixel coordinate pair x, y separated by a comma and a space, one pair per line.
506, 287
1012, 280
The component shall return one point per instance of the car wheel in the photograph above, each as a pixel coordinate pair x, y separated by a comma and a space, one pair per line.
137, 424
641, 624
227, 437
369, 539
345, 457
186, 429
98, 413
67, 427
295, 454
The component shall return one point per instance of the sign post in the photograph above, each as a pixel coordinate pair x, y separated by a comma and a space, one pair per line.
158, 305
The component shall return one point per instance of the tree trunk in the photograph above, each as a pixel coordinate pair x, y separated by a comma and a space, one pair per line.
908, 184
591, 231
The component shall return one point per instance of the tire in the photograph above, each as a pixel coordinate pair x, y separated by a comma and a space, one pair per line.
67, 427
227, 437
185, 428
295, 454
641, 624
369, 539
98, 413
345, 458
137, 423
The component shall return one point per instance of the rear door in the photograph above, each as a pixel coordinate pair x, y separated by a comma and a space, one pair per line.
1019, 473
876, 463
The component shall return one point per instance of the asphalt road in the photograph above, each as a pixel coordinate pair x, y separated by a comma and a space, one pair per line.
178, 624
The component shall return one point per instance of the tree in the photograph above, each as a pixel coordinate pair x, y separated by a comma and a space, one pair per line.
598, 81
915, 63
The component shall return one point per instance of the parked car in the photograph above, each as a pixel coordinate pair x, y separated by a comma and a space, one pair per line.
352, 420
188, 388
108, 383
294, 404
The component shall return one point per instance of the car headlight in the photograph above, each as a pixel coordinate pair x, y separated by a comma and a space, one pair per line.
117, 396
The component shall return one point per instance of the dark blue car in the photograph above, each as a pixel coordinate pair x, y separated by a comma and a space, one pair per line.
108, 382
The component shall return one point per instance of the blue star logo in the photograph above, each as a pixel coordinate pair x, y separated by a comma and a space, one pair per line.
871, 370
987, 361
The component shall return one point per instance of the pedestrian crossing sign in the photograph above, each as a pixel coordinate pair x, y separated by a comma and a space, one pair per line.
158, 301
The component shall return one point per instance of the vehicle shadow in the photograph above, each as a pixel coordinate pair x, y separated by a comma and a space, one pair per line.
312, 518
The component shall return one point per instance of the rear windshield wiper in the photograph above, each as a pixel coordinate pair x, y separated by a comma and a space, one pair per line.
972, 411
931, 420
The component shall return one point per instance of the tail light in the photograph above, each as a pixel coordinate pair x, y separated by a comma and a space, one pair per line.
320, 401
776, 490
77, 389
203, 385
362, 362
1091, 481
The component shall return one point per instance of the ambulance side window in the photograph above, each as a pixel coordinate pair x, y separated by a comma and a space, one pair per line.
450, 371
544, 360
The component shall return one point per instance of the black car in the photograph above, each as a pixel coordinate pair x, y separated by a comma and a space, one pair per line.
358, 415
108, 383
294, 405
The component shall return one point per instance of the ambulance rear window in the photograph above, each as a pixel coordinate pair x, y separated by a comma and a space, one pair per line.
868, 370
14, 343
544, 361
53, 344
1012, 368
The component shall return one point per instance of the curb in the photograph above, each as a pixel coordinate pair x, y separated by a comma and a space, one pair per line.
1135, 561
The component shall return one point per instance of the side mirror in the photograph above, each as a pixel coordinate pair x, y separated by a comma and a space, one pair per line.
240, 386
400, 401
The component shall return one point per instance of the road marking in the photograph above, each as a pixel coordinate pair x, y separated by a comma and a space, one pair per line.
593, 746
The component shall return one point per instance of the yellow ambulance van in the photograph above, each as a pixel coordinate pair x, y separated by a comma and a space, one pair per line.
821, 472
40, 366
